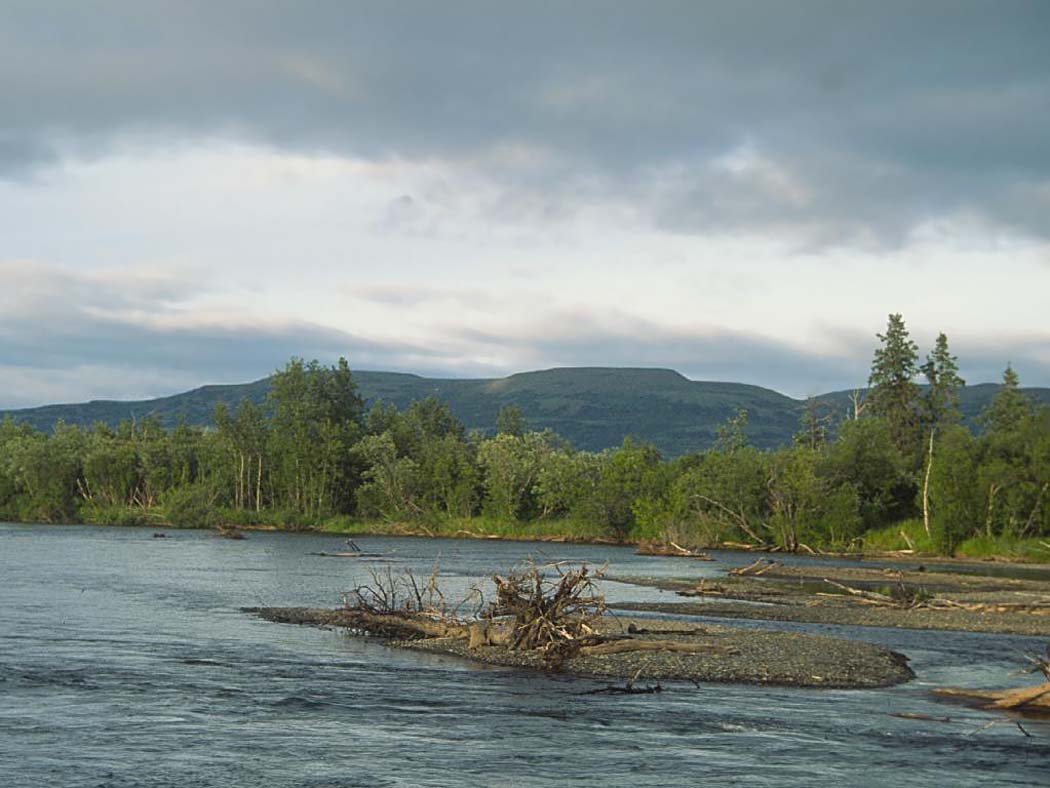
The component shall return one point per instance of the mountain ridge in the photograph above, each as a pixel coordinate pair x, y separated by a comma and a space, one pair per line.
593, 407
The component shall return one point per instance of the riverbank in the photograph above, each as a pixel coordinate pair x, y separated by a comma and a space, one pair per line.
965, 600
694, 653
1032, 552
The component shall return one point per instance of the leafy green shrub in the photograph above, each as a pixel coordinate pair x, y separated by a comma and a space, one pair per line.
1034, 550
102, 514
192, 507
903, 535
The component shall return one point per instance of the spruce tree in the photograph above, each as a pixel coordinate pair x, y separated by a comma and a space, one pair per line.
941, 403
812, 426
940, 407
1010, 408
893, 396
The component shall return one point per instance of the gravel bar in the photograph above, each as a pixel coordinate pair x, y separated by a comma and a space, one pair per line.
740, 656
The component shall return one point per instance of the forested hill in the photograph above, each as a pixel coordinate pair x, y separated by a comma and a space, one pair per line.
593, 407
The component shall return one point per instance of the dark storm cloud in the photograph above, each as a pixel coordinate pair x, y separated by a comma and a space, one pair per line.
866, 118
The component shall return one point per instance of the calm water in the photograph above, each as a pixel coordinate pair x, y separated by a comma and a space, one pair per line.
125, 661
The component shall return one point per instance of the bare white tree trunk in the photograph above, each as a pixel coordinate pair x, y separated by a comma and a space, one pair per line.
926, 486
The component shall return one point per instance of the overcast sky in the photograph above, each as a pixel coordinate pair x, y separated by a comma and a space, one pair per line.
191, 192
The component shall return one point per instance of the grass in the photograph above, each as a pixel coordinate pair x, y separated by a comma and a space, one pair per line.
905, 535
910, 534
476, 527
1028, 550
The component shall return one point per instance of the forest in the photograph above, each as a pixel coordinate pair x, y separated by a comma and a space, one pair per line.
900, 472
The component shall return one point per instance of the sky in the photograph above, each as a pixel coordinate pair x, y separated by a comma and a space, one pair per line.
193, 191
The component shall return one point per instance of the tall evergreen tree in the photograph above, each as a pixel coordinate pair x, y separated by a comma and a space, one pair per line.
940, 406
941, 402
893, 395
1010, 407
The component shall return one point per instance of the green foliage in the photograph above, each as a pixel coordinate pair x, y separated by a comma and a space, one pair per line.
731, 434
722, 495
954, 491
627, 476
892, 395
591, 407
509, 421
1009, 409
940, 403
192, 507
814, 425
807, 504
317, 417
865, 458
510, 467
115, 514
903, 535
565, 483
1034, 550
311, 458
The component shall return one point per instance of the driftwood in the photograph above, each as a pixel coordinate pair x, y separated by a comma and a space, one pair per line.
627, 689
754, 569
903, 597
1034, 699
556, 617
672, 550
704, 589
910, 598
636, 630
1025, 699
348, 555
748, 547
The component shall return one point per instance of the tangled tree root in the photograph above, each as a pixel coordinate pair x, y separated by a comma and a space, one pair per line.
553, 613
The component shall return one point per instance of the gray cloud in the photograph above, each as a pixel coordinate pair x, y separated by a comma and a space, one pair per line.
65, 335
578, 337
873, 116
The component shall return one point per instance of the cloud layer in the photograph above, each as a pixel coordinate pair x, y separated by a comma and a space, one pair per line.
838, 120
192, 191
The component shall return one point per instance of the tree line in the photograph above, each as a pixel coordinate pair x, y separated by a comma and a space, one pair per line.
899, 465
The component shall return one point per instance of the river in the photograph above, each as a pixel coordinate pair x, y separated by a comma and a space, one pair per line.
126, 661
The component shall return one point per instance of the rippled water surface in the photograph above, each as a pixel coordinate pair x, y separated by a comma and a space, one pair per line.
125, 660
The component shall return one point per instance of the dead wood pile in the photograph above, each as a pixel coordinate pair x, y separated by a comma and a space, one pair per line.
554, 611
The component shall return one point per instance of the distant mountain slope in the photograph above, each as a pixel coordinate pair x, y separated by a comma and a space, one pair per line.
972, 400
594, 407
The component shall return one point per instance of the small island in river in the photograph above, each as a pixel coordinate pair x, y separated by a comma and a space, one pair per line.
680, 651
560, 624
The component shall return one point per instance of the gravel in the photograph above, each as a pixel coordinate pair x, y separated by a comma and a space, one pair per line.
743, 656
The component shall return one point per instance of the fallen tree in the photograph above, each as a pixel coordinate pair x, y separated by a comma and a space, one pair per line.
1024, 699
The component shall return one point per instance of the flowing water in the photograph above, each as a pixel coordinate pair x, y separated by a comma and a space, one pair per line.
126, 661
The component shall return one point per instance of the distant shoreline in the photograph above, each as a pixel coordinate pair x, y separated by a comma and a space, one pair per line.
378, 529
